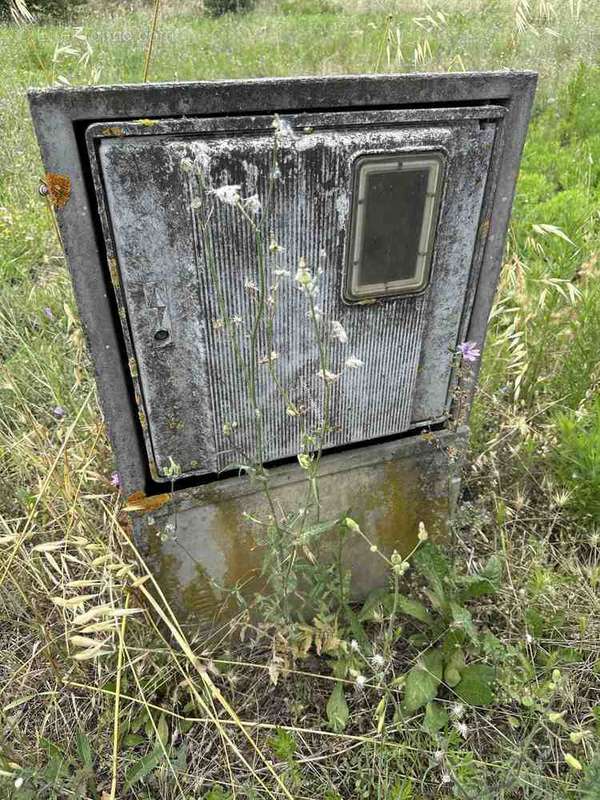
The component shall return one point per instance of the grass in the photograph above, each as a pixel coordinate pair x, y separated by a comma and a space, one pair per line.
154, 713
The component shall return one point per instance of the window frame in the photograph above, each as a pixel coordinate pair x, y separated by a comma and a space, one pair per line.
369, 163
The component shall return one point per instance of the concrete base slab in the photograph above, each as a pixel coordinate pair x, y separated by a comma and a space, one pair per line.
201, 542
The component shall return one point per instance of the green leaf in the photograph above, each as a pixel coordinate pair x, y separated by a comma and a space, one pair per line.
84, 750
380, 712
356, 629
162, 731
433, 662
486, 581
316, 530
217, 793
181, 757
377, 602
463, 620
381, 601
142, 767
476, 685
402, 791
436, 717
283, 744
452, 676
492, 647
432, 564
493, 571
422, 681
413, 608
456, 659
589, 787
133, 739
58, 761
337, 709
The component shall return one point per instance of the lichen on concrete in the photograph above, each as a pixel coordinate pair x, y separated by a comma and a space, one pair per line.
211, 547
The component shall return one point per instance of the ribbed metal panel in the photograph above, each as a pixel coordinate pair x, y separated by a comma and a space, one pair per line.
189, 386
308, 218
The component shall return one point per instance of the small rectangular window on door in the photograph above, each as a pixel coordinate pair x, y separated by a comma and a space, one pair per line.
394, 212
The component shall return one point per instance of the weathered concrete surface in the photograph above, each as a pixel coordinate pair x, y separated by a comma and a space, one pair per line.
387, 488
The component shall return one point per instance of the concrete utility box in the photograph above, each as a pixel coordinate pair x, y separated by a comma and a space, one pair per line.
397, 189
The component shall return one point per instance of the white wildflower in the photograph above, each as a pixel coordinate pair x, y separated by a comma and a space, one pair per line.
236, 319
399, 565
354, 363
529, 638
274, 247
196, 203
250, 286
269, 359
229, 193
338, 332
253, 204
327, 376
438, 756
401, 568
462, 728
446, 778
18, 782
361, 681
457, 710
282, 128
307, 283
422, 535
218, 324
354, 646
378, 661
303, 276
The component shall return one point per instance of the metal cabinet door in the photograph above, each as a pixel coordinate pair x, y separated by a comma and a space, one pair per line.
162, 224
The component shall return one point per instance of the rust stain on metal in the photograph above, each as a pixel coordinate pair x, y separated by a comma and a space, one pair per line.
133, 367
138, 501
114, 130
58, 188
114, 271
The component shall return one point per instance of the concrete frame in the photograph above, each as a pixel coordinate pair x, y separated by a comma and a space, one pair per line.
62, 115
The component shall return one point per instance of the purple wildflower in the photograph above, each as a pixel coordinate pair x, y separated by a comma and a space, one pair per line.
469, 351
48, 313
59, 412
115, 479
